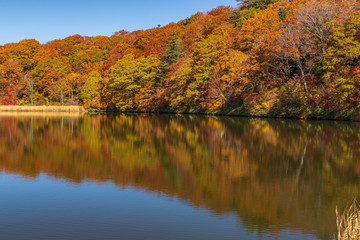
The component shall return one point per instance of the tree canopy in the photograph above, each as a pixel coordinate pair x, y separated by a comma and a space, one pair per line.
262, 56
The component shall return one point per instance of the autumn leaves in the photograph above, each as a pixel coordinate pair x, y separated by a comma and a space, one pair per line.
265, 55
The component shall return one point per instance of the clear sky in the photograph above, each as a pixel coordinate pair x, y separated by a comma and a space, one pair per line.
47, 20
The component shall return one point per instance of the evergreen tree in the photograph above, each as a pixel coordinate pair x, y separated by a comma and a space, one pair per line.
261, 4
171, 54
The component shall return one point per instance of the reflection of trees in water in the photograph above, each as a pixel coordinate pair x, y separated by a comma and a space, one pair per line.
268, 172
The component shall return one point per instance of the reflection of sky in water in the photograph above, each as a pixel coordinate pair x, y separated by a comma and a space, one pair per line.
44, 208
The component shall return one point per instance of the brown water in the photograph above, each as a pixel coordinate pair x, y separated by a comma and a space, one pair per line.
174, 177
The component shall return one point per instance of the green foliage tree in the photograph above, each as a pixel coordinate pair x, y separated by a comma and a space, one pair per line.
239, 16
127, 77
90, 90
261, 4
171, 54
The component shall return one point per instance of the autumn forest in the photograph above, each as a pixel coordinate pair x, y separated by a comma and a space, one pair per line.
264, 57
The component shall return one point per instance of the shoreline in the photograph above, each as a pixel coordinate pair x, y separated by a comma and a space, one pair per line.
352, 115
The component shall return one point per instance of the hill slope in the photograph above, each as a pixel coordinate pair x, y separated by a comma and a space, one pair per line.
290, 58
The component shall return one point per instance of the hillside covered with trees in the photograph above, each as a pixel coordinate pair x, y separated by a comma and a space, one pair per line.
265, 57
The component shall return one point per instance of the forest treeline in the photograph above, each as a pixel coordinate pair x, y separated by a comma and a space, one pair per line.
261, 57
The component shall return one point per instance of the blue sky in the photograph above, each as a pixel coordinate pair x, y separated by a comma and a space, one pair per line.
48, 20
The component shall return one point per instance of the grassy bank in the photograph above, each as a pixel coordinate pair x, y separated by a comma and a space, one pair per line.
5, 108
351, 114
348, 223
240, 111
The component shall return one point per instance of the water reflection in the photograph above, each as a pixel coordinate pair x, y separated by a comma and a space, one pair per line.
271, 174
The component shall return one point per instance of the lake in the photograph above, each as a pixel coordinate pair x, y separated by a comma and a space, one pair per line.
77, 177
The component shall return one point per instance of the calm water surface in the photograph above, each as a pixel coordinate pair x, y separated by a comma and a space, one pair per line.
174, 177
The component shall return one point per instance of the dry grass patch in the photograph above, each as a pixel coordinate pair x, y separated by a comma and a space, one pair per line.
43, 114
4, 108
348, 223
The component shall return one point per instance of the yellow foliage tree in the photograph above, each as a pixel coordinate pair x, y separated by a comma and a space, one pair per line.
128, 77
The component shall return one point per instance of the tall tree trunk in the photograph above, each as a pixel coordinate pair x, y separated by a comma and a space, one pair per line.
303, 76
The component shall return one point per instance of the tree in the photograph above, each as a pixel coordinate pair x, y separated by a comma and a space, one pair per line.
127, 77
304, 39
90, 90
261, 4
296, 47
171, 54
50, 78
230, 79
10, 76
342, 64
23, 52
60, 89
315, 19
239, 16
28, 86
344, 45
74, 81
203, 59
177, 85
